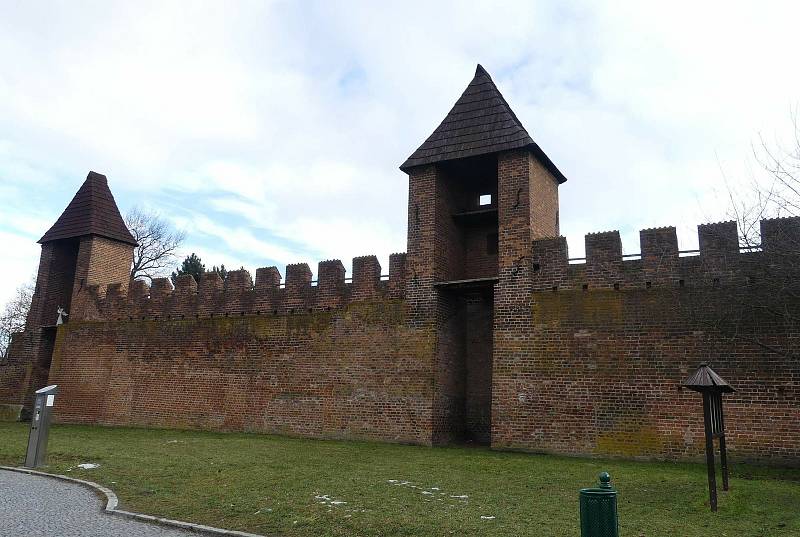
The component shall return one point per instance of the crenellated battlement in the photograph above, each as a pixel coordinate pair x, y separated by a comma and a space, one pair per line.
719, 259
239, 295
487, 332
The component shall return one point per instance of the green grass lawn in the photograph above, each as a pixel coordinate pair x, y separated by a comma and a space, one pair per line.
296, 487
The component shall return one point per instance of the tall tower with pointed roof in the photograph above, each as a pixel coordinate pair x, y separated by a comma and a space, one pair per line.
480, 190
89, 245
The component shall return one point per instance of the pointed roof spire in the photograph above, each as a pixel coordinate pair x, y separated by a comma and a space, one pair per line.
480, 123
92, 211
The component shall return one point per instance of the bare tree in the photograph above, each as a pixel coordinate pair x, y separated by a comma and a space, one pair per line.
770, 256
773, 191
12, 318
158, 244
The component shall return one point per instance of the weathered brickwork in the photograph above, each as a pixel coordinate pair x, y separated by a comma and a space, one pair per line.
598, 369
26, 368
571, 358
480, 257
14, 373
102, 262
483, 332
429, 261
543, 200
238, 295
358, 372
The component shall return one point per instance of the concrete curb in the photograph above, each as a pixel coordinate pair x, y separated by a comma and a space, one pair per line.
112, 502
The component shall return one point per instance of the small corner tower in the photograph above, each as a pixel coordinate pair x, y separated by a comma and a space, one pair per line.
88, 245
480, 190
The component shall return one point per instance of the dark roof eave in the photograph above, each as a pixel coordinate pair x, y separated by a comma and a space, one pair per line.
46, 239
704, 388
408, 165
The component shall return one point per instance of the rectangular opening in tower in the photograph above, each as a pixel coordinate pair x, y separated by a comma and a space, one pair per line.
478, 357
55, 284
469, 225
464, 376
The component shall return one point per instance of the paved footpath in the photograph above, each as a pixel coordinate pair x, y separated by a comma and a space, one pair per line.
35, 506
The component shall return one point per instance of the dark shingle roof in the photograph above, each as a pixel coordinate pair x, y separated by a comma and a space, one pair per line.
480, 123
706, 379
92, 211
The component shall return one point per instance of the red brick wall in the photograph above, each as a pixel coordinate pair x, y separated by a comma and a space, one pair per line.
512, 296
422, 245
15, 372
596, 364
544, 201
479, 263
101, 262
599, 374
27, 367
357, 372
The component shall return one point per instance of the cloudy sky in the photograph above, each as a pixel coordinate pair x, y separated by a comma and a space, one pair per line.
272, 131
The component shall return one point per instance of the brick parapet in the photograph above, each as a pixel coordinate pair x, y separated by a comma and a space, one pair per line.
239, 295
719, 260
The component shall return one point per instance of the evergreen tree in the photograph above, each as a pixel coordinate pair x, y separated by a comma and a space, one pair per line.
223, 273
191, 265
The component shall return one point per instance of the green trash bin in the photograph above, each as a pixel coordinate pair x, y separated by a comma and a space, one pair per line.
599, 510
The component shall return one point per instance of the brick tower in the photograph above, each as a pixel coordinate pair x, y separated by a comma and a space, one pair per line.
480, 190
89, 245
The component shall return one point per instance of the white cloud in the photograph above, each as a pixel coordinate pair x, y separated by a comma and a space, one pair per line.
237, 239
274, 130
19, 265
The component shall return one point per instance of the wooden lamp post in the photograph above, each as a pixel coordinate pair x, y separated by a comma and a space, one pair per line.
712, 386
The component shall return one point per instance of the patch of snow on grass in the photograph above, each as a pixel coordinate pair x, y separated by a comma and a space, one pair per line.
327, 500
427, 491
88, 466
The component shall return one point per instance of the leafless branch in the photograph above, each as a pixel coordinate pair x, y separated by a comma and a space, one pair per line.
13, 316
158, 244
773, 192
